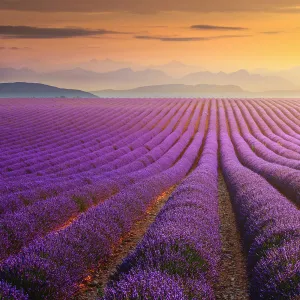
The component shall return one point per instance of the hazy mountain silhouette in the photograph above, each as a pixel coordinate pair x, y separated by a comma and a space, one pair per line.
109, 65
292, 74
176, 90
89, 80
126, 78
173, 68
29, 90
23, 89
7, 74
242, 78
177, 68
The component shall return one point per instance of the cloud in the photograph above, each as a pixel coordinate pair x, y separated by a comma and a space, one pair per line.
186, 39
271, 32
14, 48
28, 32
288, 10
170, 39
145, 6
214, 27
157, 26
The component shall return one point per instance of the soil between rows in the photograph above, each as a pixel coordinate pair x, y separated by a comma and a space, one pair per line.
96, 283
233, 283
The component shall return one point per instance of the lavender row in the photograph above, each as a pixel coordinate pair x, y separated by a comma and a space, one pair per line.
261, 135
86, 135
49, 190
279, 128
269, 224
137, 137
284, 178
285, 114
8, 292
52, 267
53, 142
83, 129
271, 132
267, 153
178, 257
294, 110
76, 157
44, 216
109, 150
71, 117
141, 140
90, 128
281, 119
159, 145
63, 122
162, 141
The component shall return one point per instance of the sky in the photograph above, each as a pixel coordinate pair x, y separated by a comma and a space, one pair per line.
216, 34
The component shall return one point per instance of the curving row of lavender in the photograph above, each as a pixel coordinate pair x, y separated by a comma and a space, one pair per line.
269, 223
111, 220
143, 143
42, 216
178, 257
76, 175
286, 179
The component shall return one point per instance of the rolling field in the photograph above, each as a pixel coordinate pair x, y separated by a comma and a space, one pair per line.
149, 199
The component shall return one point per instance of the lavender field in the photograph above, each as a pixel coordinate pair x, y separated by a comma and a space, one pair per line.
84, 179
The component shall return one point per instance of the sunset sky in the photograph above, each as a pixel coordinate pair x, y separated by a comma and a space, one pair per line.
215, 34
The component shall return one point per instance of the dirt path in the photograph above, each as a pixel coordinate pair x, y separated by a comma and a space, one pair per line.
95, 283
233, 283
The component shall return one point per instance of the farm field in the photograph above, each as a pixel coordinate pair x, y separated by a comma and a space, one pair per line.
149, 199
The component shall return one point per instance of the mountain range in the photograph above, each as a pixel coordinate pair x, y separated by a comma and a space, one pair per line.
36, 90
87, 80
177, 69
173, 68
127, 78
242, 78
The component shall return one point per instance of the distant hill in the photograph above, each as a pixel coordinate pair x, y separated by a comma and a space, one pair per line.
242, 78
176, 90
29, 90
37, 90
